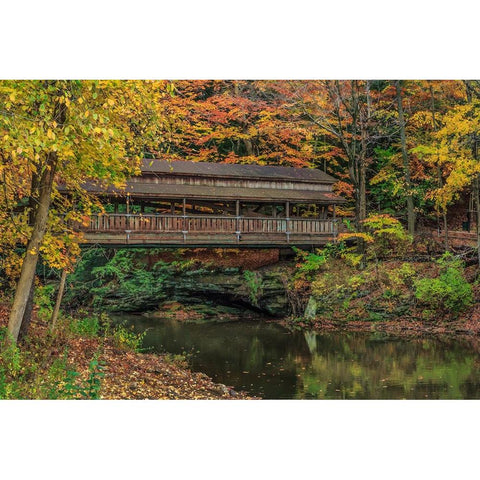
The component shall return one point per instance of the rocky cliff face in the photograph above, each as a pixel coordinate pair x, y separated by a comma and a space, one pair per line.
260, 290
140, 281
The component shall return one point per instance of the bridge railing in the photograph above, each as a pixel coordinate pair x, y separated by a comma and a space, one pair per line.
208, 224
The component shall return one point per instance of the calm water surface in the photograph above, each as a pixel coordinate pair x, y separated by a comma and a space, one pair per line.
266, 360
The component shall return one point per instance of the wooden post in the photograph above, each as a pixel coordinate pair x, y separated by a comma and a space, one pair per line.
237, 221
287, 220
334, 224
184, 210
172, 208
128, 213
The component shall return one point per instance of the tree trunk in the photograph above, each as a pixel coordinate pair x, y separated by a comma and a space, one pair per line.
362, 188
56, 310
248, 145
406, 165
27, 316
30, 260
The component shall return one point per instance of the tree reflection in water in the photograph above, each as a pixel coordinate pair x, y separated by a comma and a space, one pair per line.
266, 360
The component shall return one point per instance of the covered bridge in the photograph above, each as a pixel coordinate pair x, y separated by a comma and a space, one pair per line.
212, 204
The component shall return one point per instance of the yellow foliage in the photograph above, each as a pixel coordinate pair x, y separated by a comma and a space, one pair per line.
355, 236
84, 149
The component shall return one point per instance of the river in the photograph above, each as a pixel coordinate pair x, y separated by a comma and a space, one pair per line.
267, 360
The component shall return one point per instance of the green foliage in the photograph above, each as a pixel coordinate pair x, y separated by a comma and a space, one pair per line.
356, 281
383, 236
389, 236
450, 291
126, 339
44, 299
384, 187
86, 325
23, 376
93, 383
403, 276
353, 259
126, 281
83, 279
10, 354
254, 285
72, 386
309, 263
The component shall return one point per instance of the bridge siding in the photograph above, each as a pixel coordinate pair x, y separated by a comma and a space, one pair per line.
207, 230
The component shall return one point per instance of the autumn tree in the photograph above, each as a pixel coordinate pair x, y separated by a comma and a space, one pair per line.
406, 181
343, 111
406, 162
64, 132
237, 121
453, 150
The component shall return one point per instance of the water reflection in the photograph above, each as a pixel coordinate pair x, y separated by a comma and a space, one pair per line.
267, 360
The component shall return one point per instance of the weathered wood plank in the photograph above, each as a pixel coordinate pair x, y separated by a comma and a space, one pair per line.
207, 229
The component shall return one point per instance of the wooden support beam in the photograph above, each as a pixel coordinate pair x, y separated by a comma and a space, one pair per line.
334, 225
237, 221
287, 217
184, 222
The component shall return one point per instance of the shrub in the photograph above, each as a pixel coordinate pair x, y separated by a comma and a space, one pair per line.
86, 326
126, 339
73, 387
450, 291
383, 236
309, 263
10, 355
402, 276
45, 301
254, 285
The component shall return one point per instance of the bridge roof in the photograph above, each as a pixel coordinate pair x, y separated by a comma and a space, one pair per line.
171, 192
230, 170
142, 186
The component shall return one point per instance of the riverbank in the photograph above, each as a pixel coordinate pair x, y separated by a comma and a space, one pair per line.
84, 360
401, 298
400, 327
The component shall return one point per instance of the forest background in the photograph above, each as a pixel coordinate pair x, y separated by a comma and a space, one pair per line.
414, 41
402, 149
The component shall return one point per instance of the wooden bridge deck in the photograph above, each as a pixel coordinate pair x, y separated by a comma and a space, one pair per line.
207, 230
